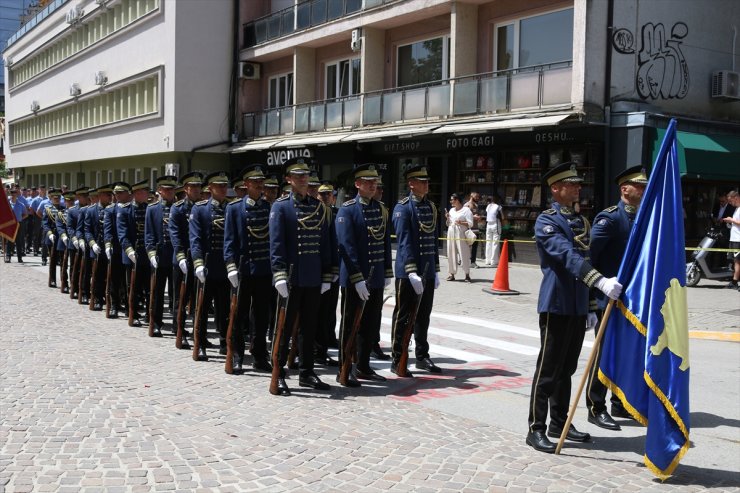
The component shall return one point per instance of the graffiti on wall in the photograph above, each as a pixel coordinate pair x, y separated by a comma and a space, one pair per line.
662, 71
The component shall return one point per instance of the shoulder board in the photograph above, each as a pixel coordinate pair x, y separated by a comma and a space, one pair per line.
125, 205
550, 211
280, 199
236, 201
110, 206
154, 203
404, 200
349, 202
179, 202
611, 209
202, 202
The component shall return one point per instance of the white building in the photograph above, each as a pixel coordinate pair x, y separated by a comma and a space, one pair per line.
105, 90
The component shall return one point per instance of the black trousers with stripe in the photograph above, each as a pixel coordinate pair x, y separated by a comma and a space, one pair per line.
561, 338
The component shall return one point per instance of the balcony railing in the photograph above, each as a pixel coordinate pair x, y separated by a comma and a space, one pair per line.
305, 15
504, 91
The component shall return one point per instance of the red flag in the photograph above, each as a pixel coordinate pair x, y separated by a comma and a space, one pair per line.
8, 223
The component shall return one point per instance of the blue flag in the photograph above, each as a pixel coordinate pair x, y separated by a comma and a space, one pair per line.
645, 356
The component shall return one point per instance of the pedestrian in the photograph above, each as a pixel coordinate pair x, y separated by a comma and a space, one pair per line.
734, 224
459, 220
472, 204
494, 215
365, 270
609, 236
561, 236
416, 270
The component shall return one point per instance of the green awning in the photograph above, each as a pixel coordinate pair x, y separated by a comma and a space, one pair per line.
706, 157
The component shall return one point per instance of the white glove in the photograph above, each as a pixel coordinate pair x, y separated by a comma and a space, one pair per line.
154, 262
74, 243
362, 292
200, 273
81, 244
282, 288
51, 238
233, 278
436, 280
591, 321
387, 282
96, 249
132, 256
183, 266
610, 287
66, 243
416, 283
334, 278
325, 287
109, 253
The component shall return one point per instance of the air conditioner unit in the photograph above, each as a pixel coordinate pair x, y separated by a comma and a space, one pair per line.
249, 70
726, 85
35, 106
356, 43
74, 90
101, 79
75, 15
9, 62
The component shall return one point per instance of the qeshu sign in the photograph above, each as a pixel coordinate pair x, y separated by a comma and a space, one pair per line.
278, 158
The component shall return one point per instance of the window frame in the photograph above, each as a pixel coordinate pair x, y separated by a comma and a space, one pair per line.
337, 87
288, 89
446, 39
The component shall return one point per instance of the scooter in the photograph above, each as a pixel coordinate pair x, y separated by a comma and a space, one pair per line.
710, 265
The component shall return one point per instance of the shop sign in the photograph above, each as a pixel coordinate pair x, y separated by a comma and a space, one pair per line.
552, 137
411, 146
471, 142
278, 158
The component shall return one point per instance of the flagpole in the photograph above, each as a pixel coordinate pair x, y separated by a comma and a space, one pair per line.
591, 359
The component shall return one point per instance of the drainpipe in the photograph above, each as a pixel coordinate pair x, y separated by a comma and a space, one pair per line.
607, 100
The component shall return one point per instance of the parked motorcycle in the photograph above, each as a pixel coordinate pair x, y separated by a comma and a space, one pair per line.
707, 264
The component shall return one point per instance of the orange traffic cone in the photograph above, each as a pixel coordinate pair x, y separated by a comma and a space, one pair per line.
500, 284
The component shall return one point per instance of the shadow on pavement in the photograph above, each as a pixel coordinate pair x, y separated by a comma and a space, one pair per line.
707, 420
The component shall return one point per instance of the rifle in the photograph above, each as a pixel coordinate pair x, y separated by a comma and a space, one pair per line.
182, 302
233, 312
64, 283
348, 349
198, 311
83, 272
53, 264
73, 286
132, 294
403, 361
278, 335
152, 299
108, 280
91, 302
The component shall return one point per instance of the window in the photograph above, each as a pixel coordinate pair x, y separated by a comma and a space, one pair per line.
281, 91
536, 40
423, 61
343, 78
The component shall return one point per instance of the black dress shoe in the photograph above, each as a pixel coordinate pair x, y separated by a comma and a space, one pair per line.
378, 353
325, 360
74, 295
209, 345
136, 323
223, 351
84, 301
283, 387
202, 355
573, 435
53, 284
237, 365
403, 374
184, 344
98, 306
65, 290
603, 420
156, 331
620, 412
313, 381
369, 374
261, 364
351, 381
538, 441
43, 263
428, 365
113, 313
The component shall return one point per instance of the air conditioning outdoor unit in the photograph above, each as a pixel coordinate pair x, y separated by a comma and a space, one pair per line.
74, 90
75, 15
35, 106
249, 70
356, 42
9, 62
726, 85
101, 79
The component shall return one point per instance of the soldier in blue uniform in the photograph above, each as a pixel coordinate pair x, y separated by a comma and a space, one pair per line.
75, 229
365, 269
35, 202
300, 245
51, 212
117, 288
326, 336
207, 238
609, 236
95, 240
130, 225
237, 184
65, 240
416, 268
159, 245
247, 241
180, 237
562, 237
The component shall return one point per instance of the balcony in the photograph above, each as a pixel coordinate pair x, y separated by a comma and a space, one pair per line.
528, 88
305, 15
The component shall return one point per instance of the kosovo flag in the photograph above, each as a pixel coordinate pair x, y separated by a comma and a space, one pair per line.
8, 223
645, 356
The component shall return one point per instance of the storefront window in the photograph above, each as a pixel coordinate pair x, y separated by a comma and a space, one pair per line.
423, 61
536, 40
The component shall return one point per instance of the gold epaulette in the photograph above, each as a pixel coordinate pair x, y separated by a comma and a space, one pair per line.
155, 203
280, 199
404, 200
349, 202
611, 209
202, 202
125, 205
179, 202
550, 211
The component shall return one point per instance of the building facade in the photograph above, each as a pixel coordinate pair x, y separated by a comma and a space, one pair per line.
488, 93
105, 90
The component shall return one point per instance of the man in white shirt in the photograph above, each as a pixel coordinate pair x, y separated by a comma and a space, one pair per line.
734, 224
494, 214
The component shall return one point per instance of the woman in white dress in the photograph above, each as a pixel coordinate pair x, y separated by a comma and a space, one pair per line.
459, 220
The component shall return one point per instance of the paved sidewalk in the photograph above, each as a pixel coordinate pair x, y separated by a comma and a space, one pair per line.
89, 404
